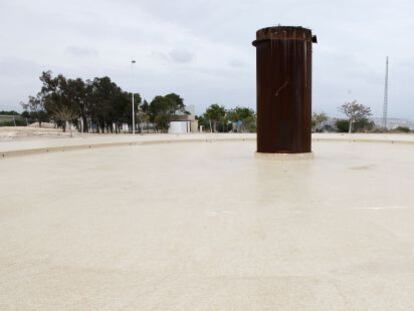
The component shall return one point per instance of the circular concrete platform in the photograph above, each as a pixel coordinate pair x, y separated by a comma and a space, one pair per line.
208, 226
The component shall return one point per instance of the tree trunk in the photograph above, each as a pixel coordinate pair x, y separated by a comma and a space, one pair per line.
85, 124
70, 129
350, 127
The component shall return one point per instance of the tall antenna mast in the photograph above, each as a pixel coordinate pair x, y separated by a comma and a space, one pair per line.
385, 108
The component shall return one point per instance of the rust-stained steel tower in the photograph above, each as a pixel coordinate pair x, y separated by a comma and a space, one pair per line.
284, 89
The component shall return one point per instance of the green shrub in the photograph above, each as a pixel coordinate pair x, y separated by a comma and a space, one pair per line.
19, 122
402, 129
342, 125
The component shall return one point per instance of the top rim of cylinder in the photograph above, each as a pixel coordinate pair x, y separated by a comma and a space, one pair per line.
284, 33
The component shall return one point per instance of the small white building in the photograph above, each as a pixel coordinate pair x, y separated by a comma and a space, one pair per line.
182, 124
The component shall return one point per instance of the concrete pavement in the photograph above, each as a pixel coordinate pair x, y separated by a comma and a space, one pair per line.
208, 226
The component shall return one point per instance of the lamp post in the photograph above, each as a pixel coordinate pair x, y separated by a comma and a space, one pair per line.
133, 99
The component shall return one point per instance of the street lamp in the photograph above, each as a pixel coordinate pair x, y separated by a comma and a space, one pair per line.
133, 100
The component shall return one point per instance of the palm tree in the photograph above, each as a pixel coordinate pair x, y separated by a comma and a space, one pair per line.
215, 114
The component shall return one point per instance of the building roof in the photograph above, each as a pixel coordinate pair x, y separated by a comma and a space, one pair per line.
184, 117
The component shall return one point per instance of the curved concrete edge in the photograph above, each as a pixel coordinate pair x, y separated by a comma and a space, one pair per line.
363, 140
63, 148
54, 149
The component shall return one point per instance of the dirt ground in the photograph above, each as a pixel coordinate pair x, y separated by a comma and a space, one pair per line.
9, 133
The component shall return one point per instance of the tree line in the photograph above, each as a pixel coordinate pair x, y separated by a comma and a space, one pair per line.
99, 105
357, 119
96, 105
217, 118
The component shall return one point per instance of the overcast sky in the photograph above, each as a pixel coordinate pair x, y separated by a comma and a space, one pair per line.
202, 49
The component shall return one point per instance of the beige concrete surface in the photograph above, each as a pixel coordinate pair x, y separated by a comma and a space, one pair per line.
85, 141
208, 226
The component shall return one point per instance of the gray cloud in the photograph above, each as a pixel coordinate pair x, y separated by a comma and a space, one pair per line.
202, 49
181, 56
236, 63
17, 67
81, 51
174, 56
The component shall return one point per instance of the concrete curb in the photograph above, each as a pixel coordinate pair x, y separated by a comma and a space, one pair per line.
55, 149
363, 140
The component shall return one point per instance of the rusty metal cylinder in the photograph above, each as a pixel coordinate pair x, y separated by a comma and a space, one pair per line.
284, 89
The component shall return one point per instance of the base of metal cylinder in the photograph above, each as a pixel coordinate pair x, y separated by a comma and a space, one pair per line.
284, 156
